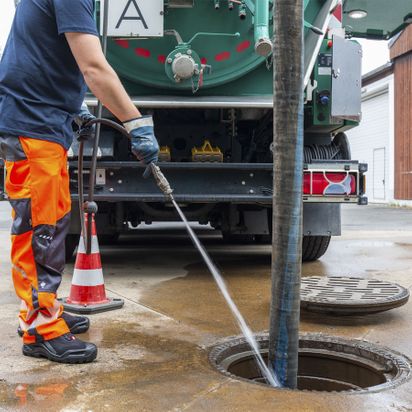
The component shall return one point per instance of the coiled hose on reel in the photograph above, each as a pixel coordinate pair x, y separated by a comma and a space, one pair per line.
338, 149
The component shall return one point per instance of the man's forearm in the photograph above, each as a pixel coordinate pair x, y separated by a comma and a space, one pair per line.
106, 86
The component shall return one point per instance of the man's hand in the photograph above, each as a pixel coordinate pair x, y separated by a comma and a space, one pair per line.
144, 143
86, 132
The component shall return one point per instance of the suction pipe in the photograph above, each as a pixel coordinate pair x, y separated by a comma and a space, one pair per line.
263, 44
287, 190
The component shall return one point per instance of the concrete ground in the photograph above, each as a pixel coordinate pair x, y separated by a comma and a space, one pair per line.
153, 354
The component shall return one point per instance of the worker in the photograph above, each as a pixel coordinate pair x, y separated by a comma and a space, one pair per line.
52, 53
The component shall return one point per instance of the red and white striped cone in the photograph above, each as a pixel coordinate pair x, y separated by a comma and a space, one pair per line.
87, 293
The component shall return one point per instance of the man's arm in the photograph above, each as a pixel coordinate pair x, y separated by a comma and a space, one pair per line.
104, 83
100, 77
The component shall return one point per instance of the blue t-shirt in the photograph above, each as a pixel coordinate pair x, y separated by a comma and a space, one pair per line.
41, 86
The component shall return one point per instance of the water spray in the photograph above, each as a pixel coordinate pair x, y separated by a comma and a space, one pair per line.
164, 186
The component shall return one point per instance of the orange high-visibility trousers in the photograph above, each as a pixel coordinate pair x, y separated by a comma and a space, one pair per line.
37, 184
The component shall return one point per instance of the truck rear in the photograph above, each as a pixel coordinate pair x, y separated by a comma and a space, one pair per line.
203, 69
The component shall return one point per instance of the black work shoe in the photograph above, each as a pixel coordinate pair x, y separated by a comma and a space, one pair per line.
76, 324
64, 349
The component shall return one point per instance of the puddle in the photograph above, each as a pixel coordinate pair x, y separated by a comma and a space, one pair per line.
200, 303
134, 362
148, 362
39, 396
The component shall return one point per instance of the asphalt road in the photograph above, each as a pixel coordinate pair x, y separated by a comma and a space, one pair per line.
153, 353
5, 215
371, 217
376, 217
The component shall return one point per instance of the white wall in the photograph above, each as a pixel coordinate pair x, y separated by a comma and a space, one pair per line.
375, 54
371, 140
377, 131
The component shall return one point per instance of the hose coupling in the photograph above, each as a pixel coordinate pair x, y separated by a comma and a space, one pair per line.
161, 180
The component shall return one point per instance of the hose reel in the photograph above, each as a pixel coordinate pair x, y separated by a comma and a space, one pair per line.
339, 149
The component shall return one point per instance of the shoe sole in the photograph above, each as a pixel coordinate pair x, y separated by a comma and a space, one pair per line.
77, 329
71, 356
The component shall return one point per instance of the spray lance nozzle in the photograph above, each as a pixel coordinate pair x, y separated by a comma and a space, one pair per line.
161, 180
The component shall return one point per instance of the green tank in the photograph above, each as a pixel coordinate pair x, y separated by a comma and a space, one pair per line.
202, 44
206, 77
214, 43
225, 58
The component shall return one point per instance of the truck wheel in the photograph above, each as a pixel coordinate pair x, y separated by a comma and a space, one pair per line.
313, 247
71, 243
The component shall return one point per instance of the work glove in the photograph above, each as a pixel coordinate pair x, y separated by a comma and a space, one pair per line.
144, 144
85, 132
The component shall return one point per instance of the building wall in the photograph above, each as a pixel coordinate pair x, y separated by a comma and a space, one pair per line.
403, 127
371, 141
386, 127
401, 55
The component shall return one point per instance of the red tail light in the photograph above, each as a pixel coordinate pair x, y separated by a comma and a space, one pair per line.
329, 184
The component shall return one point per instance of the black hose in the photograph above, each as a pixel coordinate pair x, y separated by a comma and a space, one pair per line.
92, 176
111, 124
80, 192
90, 207
322, 152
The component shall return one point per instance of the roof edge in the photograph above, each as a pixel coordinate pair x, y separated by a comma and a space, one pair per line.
377, 74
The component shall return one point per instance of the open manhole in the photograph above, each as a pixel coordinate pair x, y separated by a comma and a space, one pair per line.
350, 296
325, 364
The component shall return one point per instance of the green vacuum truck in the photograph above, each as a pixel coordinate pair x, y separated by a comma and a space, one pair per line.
203, 69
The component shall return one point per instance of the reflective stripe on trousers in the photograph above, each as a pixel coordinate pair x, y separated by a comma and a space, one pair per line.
37, 184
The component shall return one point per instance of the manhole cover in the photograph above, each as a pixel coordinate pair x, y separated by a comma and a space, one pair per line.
350, 296
326, 363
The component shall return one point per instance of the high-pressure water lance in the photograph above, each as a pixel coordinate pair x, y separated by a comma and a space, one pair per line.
164, 186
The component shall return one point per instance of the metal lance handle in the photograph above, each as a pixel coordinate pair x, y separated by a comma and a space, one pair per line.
161, 180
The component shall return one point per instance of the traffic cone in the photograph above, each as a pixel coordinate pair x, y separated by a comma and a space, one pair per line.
87, 293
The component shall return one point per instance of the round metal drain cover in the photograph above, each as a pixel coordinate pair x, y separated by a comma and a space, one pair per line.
350, 296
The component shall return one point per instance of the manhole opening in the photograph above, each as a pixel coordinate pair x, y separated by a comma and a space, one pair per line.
325, 364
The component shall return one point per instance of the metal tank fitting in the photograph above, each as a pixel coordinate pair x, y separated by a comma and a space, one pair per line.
263, 44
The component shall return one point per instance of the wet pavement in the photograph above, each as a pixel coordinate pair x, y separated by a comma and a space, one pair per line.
153, 354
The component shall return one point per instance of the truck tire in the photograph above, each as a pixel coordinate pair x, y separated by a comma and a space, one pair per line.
313, 247
71, 243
